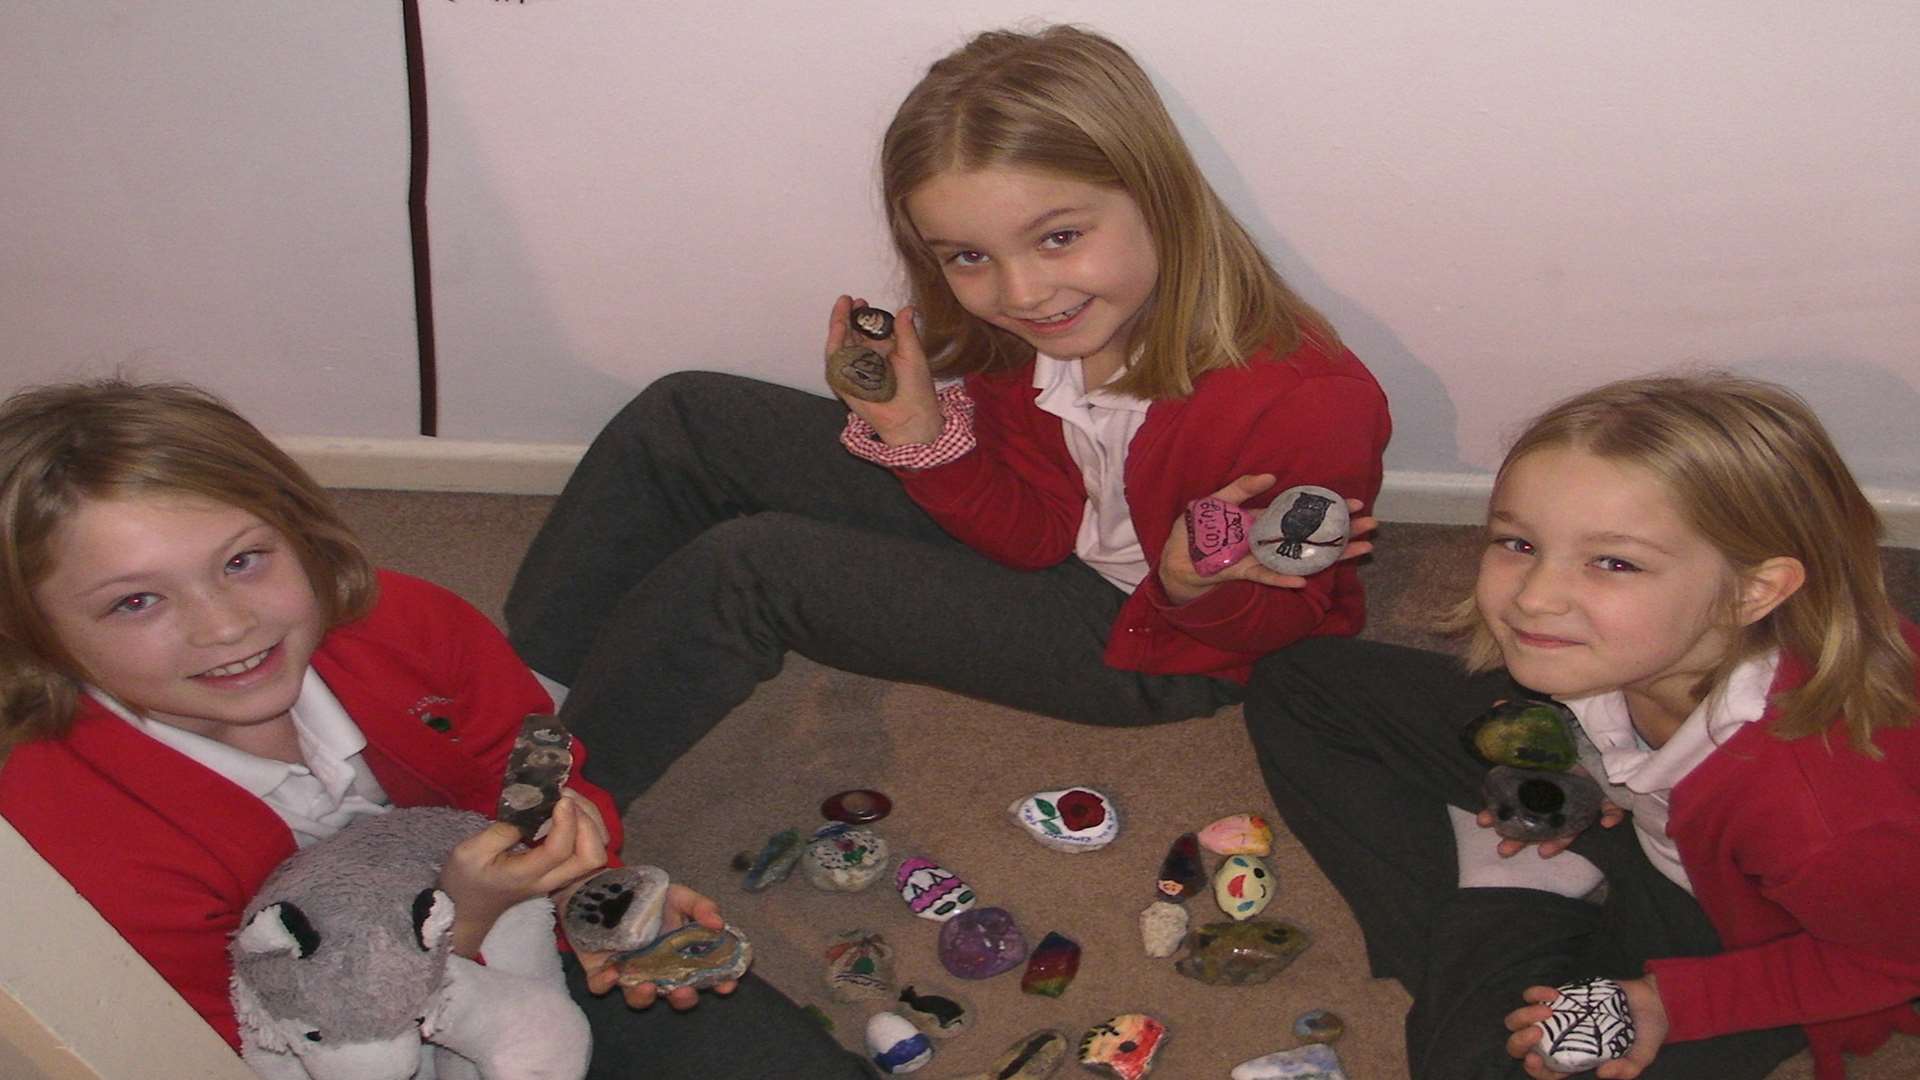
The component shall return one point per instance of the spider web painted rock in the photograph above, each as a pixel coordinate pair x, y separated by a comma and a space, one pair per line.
1591, 1023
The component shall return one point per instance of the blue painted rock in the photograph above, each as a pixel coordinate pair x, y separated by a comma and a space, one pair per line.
842, 858
981, 943
1163, 926
930, 890
617, 909
1051, 968
1591, 1023
859, 966
1238, 834
1241, 953
856, 807
1071, 819
777, 858
1181, 872
1318, 1026
1315, 1062
693, 956
940, 1013
1242, 886
1303, 531
1532, 805
896, 1045
1123, 1046
1524, 734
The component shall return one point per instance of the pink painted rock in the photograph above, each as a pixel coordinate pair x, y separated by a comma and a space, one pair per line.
1051, 968
1238, 834
1123, 1046
981, 943
931, 890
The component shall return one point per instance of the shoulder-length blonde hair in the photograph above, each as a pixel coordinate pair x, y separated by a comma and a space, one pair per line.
1065, 101
64, 444
1751, 469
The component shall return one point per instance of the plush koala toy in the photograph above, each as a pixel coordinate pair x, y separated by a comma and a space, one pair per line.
342, 968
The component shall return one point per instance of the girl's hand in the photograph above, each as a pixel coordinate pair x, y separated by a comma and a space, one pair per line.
1649, 1031
913, 416
683, 904
1610, 815
485, 875
1183, 583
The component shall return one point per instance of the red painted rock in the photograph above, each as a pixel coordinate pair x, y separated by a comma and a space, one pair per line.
856, 807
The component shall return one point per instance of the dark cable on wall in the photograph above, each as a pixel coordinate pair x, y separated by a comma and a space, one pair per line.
417, 218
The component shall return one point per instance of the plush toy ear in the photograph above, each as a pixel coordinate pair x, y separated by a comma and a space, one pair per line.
279, 928
432, 918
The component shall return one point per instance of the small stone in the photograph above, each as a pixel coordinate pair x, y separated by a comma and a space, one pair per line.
742, 861
537, 771
981, 943
1163, 926
872, 322
856, 807
931, 890
1051, 968
941, 1014
1035, 1057
1181, 872
842, 858
1318, 1026
1592, 1022
859, 372
1315, 1062
1303, 531
1242, 886
1532, 805
1525, 734
1071, 820
617, 909
896, 1045
1238, 834
776, 860
1241, 953
859, 966
1123, 1046
692, 956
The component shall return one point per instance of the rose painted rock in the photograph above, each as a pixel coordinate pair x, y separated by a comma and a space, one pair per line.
1163, 926
777, 858
842, 858
1302, 532
1591, 1023
616, 909
1314, 1062
1123, 1046
1238, 834
856, 807
930, 890
1241, 953
1051, 968
895, 1045
1071, 819
1242, 886
1318, 1026
692, 955
981, 943
1524, 734
940, 1013
1533, 805
1181, 873
859, 966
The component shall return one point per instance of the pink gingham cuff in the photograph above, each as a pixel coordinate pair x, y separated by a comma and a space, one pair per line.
954, 442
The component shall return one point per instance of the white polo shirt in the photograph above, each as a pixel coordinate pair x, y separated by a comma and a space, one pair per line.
1099, 426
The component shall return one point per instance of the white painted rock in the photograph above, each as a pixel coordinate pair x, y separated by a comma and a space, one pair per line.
1315, 1061
842, 858
896, 1045
1591, 1023
1071, 819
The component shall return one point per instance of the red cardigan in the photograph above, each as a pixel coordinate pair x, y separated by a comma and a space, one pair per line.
1315, 416
1806, 857
169, 851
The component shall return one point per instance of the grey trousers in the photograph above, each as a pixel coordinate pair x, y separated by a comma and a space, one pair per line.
717, 523
1360, 745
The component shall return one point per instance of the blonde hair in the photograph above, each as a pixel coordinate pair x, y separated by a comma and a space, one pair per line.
62, 445
1750, 468
1072, 103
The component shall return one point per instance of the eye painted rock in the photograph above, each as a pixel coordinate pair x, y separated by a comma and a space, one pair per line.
981, 943
1051, 968
896, 1045
1241, 953
537, 770
1524, 734
859, 372
872, 322
1238, 834
856, 807
859, 966
777, 858
1531, 805
1242, 886
1591, 1023
1123, 1046
931, 890
1071, 819
842, 858
1181, 872
1318, 1026
616, 909
940, 1013
1034, 1057
1315, 1062
1163, 926
693, 956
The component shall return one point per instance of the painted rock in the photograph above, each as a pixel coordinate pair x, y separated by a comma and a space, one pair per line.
940, 1013
1242, 886
1314, 1062
1123, 1046
1072, 819
777, 858
842, 858
1181, 872
856, 807
896, 1045
1051, 968
1216, 535
1238, 834
1302, 532
1241, 953
872, 322
693, 956
981, 943
1318, 1026
616, 909
1034, 1057
1163, 926
1591, 1023
859, 372
931, 890
1532, 805
1525, 734
859, 966
537, 771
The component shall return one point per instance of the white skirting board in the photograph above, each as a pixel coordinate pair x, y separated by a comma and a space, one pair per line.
429, 464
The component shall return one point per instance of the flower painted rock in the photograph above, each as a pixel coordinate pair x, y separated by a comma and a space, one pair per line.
1532, 805
1051, 968
1238, 834
940, 1013
981, 943
1034, 1057
777, 858
856, 807
859, 966
1123, 1046
1163, 926
930, 890
1242, 886
843, 858
896, 1045
616, 909
1318, 1026
1072, 819
1241, 953
1314, 1062
692, 955
1524, 734
1591, 1023
1181, 872
1303, 531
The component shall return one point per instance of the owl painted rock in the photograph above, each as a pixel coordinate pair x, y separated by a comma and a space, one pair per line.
1302, 532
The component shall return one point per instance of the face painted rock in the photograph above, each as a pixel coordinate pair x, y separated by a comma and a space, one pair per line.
896, 1045
1051, 968
940, 1013
981, 943
856, 807
690, 956
1163, 926
1242, 886
1524, 734
1072, 819
1241, 953
618, 908
1314, 1062
931, 890
859, 966
859, 372
1302, 532
1591, 1023
872, 322
1531, 805
1318, 1026
1123, 1046
842, 858
1181, 872
1238, 834
777, 858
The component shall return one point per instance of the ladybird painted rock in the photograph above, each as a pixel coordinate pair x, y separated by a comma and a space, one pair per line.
1071, 819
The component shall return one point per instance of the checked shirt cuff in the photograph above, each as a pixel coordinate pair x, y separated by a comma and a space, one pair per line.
954, 442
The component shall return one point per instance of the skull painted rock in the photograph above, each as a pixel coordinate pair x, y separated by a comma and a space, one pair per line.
1532, 805
1303, 531
1240, 953
693, 956
931, 890
1238, 834
1591, 1023
1071, 819
842, 858
859, 966
1123, 1046
1242, 886
618, 908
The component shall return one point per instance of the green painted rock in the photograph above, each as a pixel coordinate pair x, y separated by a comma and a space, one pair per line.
1523, 734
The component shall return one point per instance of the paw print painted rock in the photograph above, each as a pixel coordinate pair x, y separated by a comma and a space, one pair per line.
616, 909
981, 943
1242, 886
1123, 1046
1238, 834
843, 858
1591, 1023
1533, 805
930, 890
1071, 819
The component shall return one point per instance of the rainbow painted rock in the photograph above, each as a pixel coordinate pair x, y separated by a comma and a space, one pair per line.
777, 858
931, 890
1071, 819
1051, 968
693, 955
1181, 873
940, 1013
1163, 926
1238, 834
842, 858
895, 1045
856, 807
1314, 1062
1242, 886
859, 966
981, 943
1123, 1046
1524, 733
618, 908
1241, 953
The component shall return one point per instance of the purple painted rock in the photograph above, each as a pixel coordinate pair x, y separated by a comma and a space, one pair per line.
777, 858
1240, 953
1123, 1046
931, 890
981, 943
1051, 968
1238, 834
1242, 886
859, 966
856, 807
1181, 872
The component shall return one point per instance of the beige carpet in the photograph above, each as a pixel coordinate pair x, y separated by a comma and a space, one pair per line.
952, 765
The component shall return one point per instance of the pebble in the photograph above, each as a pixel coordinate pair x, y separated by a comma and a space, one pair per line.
981, 943
856, 807
1241, 953
1181, 873
1238, 834
1242, 886
1051, 968
617, 909
1533, 805
896, 1045
1035, 1057
1163, 926
1318, 1026
843, 858
1070, 820
1313, 1062
931, 890
1123, 1046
